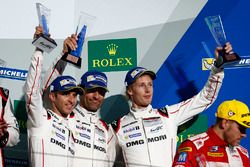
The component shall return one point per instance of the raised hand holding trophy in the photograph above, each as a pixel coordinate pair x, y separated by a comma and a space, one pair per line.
43, 41
216, 28
74, 56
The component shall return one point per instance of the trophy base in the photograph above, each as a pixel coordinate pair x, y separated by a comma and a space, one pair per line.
229, 60
45, 43
77, 61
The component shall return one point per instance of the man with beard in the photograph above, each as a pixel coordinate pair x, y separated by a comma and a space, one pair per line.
220, 145
94, 141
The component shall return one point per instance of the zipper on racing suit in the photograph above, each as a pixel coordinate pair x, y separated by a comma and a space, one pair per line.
93, 140
146, 138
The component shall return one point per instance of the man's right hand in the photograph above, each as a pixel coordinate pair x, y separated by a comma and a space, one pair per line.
38, 32
69, 43
228, 49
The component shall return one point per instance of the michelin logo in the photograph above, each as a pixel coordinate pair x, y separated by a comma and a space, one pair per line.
13, 73
245, 61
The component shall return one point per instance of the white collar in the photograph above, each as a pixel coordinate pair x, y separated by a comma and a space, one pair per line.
143, 113
60, 119
90, 115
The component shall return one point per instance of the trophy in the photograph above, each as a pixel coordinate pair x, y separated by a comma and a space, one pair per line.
44, 42
216, 28
74, 56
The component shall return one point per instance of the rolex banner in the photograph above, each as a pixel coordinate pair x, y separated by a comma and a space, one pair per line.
112, 55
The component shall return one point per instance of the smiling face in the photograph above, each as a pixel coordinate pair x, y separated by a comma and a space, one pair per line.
141, 91
234, 132
63, 102
92, 99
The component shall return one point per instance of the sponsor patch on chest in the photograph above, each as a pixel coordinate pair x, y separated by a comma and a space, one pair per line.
99, 131
82, 128
131, 129
215, 154
152, 121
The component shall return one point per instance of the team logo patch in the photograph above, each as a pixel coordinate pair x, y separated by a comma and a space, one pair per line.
182, 157
185, 149
214, 149
231, 113
207, 63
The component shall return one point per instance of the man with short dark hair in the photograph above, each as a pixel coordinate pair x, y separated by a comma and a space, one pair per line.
220, 145
50, 131
94, 141
100, 151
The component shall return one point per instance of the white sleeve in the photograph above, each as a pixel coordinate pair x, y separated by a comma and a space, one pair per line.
33, 94
183, 111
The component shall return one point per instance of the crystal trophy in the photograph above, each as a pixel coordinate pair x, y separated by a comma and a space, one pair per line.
84, 23
216, 28
43, 41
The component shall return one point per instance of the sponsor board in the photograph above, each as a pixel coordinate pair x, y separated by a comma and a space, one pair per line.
112, 55
12, 73
243, 63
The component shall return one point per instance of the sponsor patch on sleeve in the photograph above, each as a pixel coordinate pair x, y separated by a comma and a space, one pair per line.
182, 157
185, 149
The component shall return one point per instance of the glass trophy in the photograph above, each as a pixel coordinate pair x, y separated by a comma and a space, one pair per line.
215, 26
84, 24
43, 41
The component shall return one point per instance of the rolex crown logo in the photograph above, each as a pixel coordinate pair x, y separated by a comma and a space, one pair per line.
112, 48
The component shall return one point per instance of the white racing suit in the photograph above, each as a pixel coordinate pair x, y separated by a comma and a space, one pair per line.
94, 139
148, 137
10, 138
50, 138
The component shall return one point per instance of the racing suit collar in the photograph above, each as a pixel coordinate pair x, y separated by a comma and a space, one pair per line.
143, 113
59, 118
93, 117
215, 137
